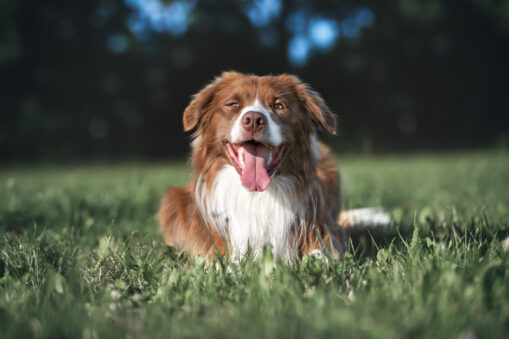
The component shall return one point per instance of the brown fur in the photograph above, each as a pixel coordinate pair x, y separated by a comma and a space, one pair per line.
182, 223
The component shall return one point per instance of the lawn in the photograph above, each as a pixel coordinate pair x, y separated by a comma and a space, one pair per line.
81, 257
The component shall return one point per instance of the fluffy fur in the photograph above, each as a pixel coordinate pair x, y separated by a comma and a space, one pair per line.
218, 213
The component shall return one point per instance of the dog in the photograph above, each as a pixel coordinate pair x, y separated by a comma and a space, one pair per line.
260, 177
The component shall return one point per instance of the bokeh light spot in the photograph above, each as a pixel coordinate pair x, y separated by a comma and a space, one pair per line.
262, 12
323, 32
118, 43
299, 49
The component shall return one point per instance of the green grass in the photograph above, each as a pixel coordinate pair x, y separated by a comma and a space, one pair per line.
81, 256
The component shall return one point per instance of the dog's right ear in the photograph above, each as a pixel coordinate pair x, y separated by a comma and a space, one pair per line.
202, 100
198, 106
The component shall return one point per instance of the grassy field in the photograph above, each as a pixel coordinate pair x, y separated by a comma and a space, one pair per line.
81, 257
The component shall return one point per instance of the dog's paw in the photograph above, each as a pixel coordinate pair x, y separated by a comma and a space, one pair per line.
317, 253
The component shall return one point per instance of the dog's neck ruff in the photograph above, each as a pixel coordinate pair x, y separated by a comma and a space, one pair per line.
250, 220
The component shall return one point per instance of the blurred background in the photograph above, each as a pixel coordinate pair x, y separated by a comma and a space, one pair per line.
109, 79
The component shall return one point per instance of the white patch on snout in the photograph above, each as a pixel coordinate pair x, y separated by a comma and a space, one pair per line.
274, 130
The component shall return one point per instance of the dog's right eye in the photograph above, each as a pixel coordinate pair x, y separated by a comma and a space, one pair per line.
232, 104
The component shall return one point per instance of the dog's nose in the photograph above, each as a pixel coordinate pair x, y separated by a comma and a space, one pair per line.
253, 121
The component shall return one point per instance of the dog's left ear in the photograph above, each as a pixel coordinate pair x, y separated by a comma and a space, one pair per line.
316, 106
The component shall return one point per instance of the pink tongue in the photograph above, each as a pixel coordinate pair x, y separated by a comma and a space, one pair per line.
255, 177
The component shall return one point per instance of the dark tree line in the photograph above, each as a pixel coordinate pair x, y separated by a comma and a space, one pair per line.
78, 81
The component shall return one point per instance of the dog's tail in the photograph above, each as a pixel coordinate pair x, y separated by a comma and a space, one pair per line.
364, 218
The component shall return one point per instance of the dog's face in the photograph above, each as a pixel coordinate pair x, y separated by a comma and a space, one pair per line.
260, 125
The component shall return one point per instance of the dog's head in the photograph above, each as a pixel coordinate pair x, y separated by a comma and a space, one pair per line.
263, 126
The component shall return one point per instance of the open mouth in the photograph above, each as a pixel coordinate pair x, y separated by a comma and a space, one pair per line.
255, 162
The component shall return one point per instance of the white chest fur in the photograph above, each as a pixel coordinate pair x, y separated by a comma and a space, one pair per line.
251, 220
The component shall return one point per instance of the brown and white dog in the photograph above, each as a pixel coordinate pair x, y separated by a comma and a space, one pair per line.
260, 177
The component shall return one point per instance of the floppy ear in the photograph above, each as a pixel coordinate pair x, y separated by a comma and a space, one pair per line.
315, 105
201, 101
198, 106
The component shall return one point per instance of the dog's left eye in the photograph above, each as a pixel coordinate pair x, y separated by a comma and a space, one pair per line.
278, 105
232, 104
